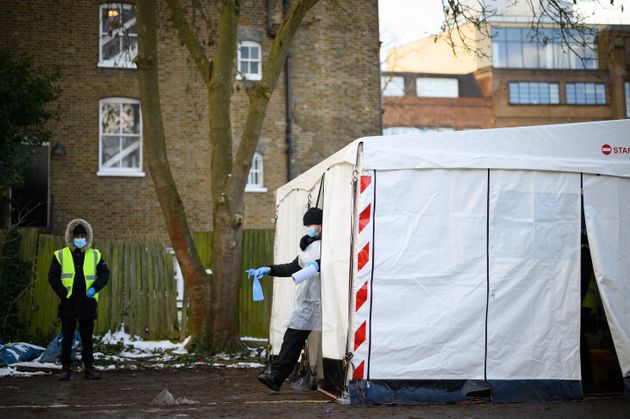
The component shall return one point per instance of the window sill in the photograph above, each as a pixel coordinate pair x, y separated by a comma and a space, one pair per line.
121, 173
249, 77
255, 188
123, 66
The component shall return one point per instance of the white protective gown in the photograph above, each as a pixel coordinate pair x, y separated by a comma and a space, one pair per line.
307, 309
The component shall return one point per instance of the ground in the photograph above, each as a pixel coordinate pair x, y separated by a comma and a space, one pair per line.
206, 391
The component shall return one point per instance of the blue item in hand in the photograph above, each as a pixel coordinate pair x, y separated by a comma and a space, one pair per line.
257, 292
91, 292
313, 262
259, 273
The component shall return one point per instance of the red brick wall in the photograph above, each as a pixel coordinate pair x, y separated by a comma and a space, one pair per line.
336, 99
457, 113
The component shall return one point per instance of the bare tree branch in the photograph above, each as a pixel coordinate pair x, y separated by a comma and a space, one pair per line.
190, 40
260, 93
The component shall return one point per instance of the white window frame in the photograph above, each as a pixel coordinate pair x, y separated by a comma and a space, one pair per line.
437, 87
256, 169
118, 171
626, 86
248, 76
393, 85
127, 56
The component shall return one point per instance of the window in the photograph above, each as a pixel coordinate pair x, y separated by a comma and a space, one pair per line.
627, 87
393, 86
118, 36
586, 93
255, 177
534, 93
120, 138
413, 130
545, 48
249, 62
437, 87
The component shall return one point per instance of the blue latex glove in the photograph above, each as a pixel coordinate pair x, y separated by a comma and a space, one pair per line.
257, 292
258, 273
313, 262
91, 292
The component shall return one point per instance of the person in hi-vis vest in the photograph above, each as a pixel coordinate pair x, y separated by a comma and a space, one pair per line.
306, 314
77, 273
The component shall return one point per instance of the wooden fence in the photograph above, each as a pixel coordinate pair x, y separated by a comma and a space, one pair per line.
141, 293
257, 251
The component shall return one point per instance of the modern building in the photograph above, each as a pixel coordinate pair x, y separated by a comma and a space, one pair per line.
517, 76
95, 166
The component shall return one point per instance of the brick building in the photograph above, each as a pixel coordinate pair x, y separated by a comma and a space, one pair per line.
94, 167
519, 78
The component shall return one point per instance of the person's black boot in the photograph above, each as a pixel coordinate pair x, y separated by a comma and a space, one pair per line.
66, 374
91, 374
268, 380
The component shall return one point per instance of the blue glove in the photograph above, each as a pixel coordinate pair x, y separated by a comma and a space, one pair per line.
258, 273
91, 292
313, 262
257, 292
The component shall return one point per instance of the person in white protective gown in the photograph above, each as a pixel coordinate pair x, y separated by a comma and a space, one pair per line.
306, 314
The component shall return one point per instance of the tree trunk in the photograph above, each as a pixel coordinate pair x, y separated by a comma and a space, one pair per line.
195, 277
229, 172
223, 326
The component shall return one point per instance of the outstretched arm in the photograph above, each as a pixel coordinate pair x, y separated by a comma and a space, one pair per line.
285, 269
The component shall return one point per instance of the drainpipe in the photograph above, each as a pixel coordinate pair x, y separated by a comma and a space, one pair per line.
288, 91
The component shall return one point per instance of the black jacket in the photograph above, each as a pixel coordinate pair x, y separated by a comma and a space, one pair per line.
288, 269
78, 306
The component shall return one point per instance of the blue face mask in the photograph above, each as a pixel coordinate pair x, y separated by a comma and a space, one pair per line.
311, 232
79, 243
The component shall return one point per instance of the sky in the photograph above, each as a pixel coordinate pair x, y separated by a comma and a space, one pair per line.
403, 21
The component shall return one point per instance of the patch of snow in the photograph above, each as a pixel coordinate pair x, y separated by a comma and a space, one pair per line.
252, 339
11, 372
35, 364
145, 346
135, 355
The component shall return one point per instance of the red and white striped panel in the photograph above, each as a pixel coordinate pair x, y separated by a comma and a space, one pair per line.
362, 275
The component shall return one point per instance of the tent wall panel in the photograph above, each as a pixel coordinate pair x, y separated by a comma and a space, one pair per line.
534, 293
429, 285
335, 255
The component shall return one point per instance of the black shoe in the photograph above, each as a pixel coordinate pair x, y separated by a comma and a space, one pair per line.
268, 380
65, 375
91, 374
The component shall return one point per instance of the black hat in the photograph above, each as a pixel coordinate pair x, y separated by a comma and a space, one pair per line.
79, 229
313, 216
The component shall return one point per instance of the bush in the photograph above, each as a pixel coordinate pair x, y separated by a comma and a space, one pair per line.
15, 277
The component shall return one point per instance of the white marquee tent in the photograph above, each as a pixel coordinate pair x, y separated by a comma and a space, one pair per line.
451, 260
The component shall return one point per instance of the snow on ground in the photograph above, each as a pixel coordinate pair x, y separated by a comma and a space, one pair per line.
143, 346
13, 372
134, 353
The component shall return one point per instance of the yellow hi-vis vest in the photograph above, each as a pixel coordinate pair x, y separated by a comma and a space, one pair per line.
92, 258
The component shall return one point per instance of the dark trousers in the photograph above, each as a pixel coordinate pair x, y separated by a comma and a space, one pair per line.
86, 327
292, 345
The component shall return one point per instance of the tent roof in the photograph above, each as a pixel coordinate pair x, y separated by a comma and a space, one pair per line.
564, 148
